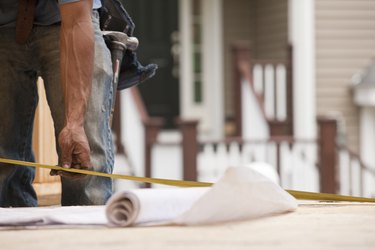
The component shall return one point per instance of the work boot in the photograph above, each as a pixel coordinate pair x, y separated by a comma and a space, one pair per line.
133, 72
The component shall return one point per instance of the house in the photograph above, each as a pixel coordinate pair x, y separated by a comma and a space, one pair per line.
331, 41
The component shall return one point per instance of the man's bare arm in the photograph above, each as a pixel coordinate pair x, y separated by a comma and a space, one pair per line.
77, 62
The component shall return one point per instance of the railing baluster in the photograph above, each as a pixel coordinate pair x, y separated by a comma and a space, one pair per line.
278, 163
269, 97
281, 105
361, 180
350, 169
275, 92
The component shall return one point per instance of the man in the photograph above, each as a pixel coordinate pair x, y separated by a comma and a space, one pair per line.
83, 129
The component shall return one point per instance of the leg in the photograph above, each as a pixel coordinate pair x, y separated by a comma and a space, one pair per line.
96, 190
47, 46
18, 102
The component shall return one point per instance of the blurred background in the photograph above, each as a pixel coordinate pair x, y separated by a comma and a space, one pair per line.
277, 85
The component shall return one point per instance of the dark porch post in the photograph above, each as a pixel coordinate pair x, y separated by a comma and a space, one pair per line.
327, 154
240, 54
189, 148
152, 128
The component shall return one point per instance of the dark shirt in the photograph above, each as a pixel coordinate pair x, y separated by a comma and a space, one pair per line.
46, 12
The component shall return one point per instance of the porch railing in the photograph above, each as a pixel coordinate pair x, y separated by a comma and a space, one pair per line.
311, 165
271, 83
295, 160
354, 176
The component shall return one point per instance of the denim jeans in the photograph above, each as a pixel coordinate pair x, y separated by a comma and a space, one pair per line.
20, 65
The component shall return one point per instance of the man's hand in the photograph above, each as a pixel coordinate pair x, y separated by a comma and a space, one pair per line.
75, 152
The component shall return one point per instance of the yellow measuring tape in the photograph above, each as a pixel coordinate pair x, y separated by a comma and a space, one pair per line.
301, 195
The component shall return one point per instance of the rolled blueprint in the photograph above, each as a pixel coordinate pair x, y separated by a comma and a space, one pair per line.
241, 194
140, 206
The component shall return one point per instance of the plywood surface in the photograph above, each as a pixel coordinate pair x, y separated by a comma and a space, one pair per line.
313, 226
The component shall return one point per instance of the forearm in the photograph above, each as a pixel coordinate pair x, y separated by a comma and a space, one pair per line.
77, 59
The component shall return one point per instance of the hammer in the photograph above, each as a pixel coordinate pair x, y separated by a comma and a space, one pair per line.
119, 42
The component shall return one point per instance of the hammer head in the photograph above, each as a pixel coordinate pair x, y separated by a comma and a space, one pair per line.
130, 43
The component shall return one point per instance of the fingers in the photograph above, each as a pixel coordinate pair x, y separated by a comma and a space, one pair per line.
66, 149
80, 161
53, 172
75, 152
71, 176
81, 158
86, 165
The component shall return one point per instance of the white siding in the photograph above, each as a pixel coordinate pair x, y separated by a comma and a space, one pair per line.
345, 44
271, 29
238, 25
263, 23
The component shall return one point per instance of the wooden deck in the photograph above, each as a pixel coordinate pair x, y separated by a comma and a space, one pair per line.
312, 226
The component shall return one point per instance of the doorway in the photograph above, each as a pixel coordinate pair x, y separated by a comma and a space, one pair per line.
156, 28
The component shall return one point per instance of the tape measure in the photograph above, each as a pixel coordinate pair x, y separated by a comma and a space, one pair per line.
301, 195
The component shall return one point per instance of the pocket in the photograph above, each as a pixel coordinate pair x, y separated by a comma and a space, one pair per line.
95, 17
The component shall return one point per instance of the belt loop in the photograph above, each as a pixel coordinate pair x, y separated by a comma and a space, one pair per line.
25, 19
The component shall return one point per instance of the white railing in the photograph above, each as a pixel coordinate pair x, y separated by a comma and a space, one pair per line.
270, 83
254, 123
355, 178
294, 162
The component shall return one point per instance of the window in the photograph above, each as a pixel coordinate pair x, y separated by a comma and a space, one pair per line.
197, 50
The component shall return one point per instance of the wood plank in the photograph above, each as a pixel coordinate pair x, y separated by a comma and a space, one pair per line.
44, 147
313, 226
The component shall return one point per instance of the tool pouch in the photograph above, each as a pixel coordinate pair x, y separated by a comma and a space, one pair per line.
114, 17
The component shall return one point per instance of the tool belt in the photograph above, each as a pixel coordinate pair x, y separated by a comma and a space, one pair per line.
114, 17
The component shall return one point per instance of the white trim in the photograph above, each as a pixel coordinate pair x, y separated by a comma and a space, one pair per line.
186, 57
211, 111
367, 135
367, 145
133, 134
302, 37
364, 97
213, 67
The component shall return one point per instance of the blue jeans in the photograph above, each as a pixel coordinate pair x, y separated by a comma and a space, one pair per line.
20, 65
